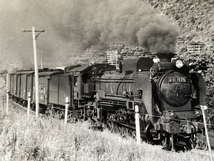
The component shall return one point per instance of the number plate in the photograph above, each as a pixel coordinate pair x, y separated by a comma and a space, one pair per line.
176, 79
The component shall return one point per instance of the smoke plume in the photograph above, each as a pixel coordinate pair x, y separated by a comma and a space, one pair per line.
72, 26
103, 23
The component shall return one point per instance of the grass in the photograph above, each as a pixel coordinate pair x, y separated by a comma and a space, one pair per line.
48, 139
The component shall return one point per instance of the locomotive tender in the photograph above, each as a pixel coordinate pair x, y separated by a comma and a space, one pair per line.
167, 93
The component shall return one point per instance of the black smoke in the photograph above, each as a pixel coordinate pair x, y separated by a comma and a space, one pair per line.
72, 26
104, 23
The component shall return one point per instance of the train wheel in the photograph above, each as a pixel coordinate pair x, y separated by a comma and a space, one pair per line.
32, 107
148, 133
178, 143
133, 134
25, 103
160, 139
110, 125
168, 142
113, 127
120, 130
164, 142
69, 117
190, 144
116, 128
130, 132
124, 132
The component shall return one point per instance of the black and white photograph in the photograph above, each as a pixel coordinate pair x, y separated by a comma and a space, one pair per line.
106, 80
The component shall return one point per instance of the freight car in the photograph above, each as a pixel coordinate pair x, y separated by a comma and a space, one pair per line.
54, 86
167, 93
22, 86
21, 83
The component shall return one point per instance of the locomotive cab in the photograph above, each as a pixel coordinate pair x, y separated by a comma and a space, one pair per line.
85, 78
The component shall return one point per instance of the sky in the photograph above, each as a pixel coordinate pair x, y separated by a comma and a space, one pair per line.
72, 27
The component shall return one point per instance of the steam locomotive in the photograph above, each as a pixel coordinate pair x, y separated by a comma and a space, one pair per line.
166, 91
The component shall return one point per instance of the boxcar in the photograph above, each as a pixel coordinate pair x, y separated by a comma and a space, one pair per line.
26, 85
15, 85
44, 84
59, 89
20, 85
12, 85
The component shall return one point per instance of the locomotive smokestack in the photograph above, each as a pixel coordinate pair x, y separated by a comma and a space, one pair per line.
165, 57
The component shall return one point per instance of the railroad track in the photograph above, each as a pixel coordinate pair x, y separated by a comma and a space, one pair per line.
20, 107
58, 115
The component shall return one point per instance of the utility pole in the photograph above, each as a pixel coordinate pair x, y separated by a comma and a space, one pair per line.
7, 97
41, 64
35, 67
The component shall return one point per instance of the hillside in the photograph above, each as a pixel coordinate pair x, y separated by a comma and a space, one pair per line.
196, 25
195, 20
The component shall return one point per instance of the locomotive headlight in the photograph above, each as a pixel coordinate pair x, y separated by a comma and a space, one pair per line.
156, 60
204, 107
179, 63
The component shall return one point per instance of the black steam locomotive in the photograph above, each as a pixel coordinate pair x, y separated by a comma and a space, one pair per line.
166, 92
